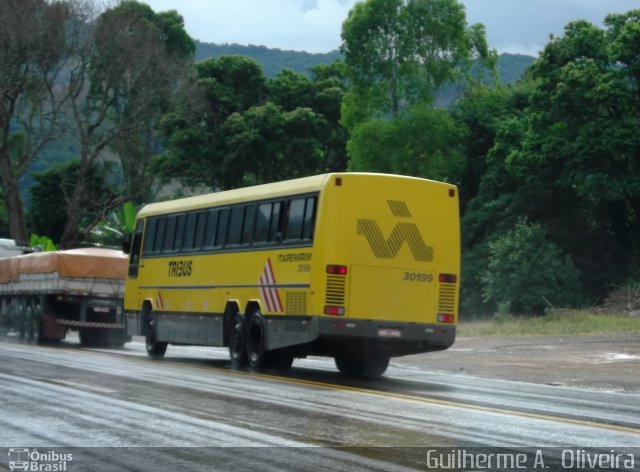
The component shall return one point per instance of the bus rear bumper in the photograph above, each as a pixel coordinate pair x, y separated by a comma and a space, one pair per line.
417, 337
397, 338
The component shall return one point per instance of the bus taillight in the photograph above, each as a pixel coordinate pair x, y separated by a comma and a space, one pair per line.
446, 318
447, 278
334, 310
336, 269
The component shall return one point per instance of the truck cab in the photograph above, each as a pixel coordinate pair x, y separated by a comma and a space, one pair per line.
9, 248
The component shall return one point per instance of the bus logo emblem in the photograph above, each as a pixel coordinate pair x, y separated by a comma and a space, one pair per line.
388, 248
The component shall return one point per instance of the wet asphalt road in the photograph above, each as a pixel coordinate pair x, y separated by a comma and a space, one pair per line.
191, 412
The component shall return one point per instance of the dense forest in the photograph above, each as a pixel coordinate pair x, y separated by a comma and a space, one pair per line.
547, 162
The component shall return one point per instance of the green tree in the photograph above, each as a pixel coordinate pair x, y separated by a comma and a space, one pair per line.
291, 90
122, 66
323, 94
193, 128
151, 86
399, 52
52, 190
266, 144
32, 48
563, 151
580, 154
424, 141
526, 272
234, 127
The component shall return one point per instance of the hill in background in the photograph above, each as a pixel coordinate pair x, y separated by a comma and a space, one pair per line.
510, 66
272, 60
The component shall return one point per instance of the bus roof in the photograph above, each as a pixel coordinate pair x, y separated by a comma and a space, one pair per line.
248, 194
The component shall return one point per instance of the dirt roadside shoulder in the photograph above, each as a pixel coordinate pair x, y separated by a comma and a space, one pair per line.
609, 362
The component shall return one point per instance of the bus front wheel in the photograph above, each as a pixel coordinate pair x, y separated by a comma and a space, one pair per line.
155, 348
237, 342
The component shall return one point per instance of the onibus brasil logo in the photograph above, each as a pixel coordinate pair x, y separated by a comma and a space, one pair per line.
37, 461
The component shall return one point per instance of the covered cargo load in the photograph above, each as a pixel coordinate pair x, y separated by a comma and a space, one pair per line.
43, 295
96, 271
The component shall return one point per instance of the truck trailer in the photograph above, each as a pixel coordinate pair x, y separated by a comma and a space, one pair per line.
44, 295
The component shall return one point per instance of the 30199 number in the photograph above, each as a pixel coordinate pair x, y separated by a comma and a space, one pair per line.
417, 277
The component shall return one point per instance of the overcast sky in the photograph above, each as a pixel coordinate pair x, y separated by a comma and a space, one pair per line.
517, 26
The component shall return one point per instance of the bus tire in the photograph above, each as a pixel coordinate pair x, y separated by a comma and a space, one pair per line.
376, 365
256, 349
237, 342
281, 359
372, 365
155, 349
348, 366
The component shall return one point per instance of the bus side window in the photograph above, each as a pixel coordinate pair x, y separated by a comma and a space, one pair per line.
159, 238
309, 218
295, 219
276, 232
178, 241
223, 223
211, 228
170, 234
248, 224
189, 231
234, 235
263, 223
201, 224
134, 256
149, 236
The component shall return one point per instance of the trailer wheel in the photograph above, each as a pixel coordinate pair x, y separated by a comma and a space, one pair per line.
35, 334
21, 316
35, 324
237, 342
155, 348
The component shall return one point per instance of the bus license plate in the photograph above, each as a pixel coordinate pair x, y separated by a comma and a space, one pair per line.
390, 332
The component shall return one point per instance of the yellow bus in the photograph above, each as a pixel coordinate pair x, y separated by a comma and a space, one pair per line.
356, 266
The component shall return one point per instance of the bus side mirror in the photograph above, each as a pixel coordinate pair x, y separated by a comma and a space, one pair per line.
126, 243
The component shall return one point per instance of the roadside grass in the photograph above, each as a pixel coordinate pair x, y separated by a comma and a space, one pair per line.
554, 323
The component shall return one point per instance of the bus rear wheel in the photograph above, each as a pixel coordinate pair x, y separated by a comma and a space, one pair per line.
281, 359
256, 349
371, 365
237, 342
